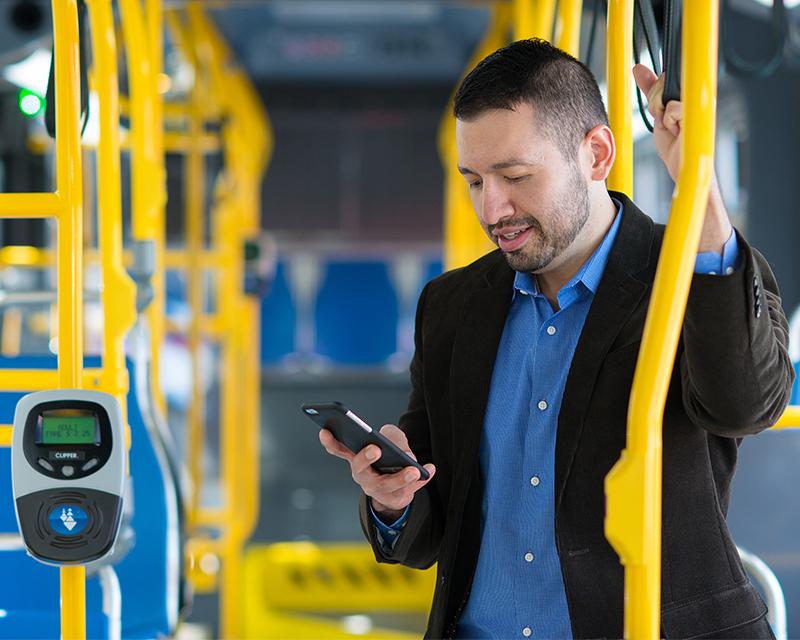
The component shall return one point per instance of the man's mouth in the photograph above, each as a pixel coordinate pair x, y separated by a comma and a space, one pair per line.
512, 240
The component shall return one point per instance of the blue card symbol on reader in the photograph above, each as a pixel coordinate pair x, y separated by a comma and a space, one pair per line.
68, 520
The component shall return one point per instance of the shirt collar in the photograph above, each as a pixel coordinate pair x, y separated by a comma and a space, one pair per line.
590, 273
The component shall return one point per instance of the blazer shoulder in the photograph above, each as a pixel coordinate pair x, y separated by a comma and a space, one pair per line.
464, 279
445, 295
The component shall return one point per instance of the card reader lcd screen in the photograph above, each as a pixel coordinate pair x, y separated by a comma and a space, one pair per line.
68, 429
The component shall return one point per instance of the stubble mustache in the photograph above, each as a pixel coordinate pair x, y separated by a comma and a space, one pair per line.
527, 221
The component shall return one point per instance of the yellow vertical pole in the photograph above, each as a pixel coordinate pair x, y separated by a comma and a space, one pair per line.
149, 187
633, 487
620, 86
534, 19
464, 239
252, 406
145, 194
70, 258
194, 176
156, 313
232, 467
247, 144
544, 12
195, 207
118, 295
523, 19
568, 37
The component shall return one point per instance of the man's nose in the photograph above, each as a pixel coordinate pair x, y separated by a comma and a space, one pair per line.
495, 205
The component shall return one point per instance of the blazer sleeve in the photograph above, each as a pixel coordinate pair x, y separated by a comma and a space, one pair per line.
417, 545
735, 369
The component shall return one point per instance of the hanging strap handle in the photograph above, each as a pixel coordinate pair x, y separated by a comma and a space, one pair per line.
50, 97
645, 26
673, 16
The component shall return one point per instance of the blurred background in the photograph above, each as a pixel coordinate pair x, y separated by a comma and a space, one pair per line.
353, 204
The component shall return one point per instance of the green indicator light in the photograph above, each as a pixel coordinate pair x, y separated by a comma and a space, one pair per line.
30, 104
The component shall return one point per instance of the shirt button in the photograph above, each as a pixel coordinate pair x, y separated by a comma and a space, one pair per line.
529, 557
729, 270
551, 330
542, 405
712, 273
527, 632
535, 481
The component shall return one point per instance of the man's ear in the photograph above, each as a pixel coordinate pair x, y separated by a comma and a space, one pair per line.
599, 150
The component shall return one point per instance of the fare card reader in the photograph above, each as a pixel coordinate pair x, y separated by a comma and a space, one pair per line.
68, 471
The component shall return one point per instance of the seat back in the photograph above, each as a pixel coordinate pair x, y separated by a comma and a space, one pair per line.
356, 313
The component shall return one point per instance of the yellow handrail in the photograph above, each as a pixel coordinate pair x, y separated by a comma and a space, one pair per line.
31, 205
145, 170
790, 418
534, 19
118, 295
247, 144
568, 33
464, 239
619, 61
156, 313
195, 206
70, 258
149, 186
633, 487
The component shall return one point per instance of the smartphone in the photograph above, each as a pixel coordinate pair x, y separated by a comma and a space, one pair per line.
355, 434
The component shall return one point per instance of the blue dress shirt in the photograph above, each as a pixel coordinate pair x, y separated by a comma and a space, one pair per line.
518, 589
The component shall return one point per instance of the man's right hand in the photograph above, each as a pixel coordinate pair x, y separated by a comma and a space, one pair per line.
390, 493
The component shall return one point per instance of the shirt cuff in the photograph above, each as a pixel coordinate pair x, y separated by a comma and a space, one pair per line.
712, 263
387, 533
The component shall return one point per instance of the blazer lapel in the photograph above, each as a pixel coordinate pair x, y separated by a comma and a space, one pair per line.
477, 338
618, 295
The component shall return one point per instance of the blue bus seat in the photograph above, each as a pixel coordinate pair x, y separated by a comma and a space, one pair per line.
147, 573
356, 313
31, 600
278, 319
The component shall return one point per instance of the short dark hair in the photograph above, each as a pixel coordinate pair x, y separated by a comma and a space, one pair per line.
561, 89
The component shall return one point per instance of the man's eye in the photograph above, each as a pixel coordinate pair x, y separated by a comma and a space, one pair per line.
475, 184
516, 179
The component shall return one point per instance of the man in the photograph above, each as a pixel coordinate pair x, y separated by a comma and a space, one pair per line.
522, 372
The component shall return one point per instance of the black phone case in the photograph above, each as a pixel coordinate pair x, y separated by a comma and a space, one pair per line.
333, 416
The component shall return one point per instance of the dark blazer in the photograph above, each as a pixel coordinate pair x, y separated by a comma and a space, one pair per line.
732, 378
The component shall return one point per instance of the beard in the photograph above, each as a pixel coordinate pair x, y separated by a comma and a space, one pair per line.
568, 215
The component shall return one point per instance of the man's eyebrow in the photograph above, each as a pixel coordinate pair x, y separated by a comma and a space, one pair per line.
507, 164
515, 162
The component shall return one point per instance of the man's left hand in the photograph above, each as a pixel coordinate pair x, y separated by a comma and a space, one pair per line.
667, 133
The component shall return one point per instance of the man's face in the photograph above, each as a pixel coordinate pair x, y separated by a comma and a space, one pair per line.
530, 201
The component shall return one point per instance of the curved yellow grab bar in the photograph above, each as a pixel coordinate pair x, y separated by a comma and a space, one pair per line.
633, 487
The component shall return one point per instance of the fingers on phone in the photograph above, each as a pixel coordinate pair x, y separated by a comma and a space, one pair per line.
333, 446
361, 463
395, 434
